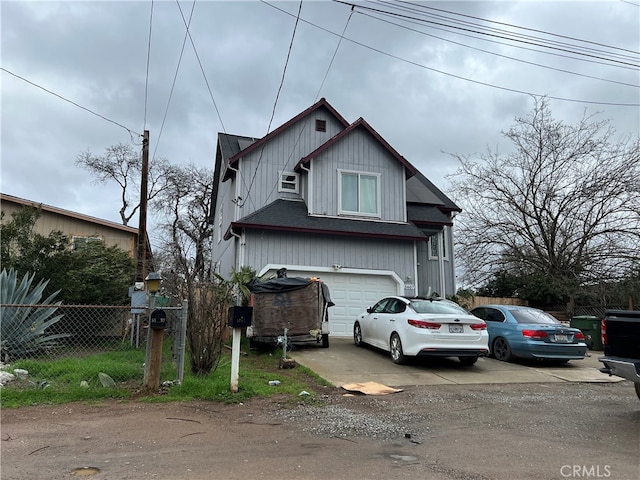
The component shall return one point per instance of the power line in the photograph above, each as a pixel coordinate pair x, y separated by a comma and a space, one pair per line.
175, 76
537, 40
493, 35
131, 132
499, 54
273, 112
588, 60
335, 52
553, 43
459, 77
515, 26
195, 50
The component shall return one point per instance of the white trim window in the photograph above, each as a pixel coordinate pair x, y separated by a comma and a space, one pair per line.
359, 193
433, 245
289, 182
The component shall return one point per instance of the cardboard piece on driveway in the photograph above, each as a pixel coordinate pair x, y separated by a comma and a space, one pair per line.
370, 388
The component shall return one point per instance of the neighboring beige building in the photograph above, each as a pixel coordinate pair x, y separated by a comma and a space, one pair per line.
78, 227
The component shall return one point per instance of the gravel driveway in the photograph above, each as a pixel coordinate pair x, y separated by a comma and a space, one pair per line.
440, 432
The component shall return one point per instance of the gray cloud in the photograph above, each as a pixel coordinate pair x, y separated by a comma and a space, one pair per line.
95, 53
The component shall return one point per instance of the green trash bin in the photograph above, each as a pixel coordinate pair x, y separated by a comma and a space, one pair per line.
590, 327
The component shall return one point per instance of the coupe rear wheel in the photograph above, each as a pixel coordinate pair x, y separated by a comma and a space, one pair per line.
357, 334
395, 349
468, 361
637, 385
502, 350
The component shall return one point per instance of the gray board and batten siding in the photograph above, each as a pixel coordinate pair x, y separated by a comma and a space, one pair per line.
279, 153
354, 153
306, 250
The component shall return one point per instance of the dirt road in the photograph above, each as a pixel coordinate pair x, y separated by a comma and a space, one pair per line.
443, 432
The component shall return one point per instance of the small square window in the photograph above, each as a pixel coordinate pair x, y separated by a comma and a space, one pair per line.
288, 182
321, 125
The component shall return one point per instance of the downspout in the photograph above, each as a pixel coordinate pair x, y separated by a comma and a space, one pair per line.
240, 249
416, 282
309, 189
442, 292
235, 200
453, 264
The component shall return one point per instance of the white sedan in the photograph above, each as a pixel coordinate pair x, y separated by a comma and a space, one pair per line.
407, 327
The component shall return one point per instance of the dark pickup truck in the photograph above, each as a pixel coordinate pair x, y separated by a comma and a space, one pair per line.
621, 341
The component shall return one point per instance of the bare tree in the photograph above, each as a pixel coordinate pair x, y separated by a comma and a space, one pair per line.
122, 164
182, 209
563, 204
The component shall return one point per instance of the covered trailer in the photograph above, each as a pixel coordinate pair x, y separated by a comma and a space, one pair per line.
297, 304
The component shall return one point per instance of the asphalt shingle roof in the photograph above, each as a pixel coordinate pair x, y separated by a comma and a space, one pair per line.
423, 215
421, 190
287, 215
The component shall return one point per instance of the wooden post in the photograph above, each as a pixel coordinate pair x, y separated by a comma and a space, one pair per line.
235, 358
155, 359
142, 221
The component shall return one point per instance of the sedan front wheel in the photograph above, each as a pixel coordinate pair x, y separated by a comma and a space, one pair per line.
395, 349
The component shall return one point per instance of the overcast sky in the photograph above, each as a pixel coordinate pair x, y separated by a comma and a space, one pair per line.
427, 88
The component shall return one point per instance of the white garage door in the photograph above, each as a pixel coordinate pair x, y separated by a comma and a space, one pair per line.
352, 295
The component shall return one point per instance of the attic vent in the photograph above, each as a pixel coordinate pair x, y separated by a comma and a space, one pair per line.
321, 125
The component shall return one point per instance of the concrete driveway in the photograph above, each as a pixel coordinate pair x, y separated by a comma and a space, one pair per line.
344, 363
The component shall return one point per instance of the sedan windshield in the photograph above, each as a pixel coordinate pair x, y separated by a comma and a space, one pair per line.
437, 306
533, 316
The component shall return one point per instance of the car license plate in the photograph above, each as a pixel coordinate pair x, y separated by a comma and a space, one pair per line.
561, 338
456, 328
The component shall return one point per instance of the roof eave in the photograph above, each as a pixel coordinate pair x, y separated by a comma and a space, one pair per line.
240, 225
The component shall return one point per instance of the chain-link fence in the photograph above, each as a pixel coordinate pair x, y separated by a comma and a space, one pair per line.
87, 329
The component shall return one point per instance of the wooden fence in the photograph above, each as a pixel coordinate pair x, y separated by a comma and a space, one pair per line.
478, 301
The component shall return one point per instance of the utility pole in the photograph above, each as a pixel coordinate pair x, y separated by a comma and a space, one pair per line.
141, 272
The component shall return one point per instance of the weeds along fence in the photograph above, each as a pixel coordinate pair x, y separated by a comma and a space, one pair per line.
90, 329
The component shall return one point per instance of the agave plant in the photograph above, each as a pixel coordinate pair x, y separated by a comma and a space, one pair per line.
23, 328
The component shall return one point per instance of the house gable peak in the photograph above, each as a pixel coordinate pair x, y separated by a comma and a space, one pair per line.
322, 103
360, 123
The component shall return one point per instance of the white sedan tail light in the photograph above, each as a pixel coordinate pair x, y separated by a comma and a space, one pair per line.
424, 324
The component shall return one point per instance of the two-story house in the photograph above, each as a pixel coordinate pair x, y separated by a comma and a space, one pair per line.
325, 198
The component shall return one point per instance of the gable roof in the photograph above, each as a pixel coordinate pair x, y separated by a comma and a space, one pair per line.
293, 216
322, 103
360, 123
231, 145
421, 190
67, 213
